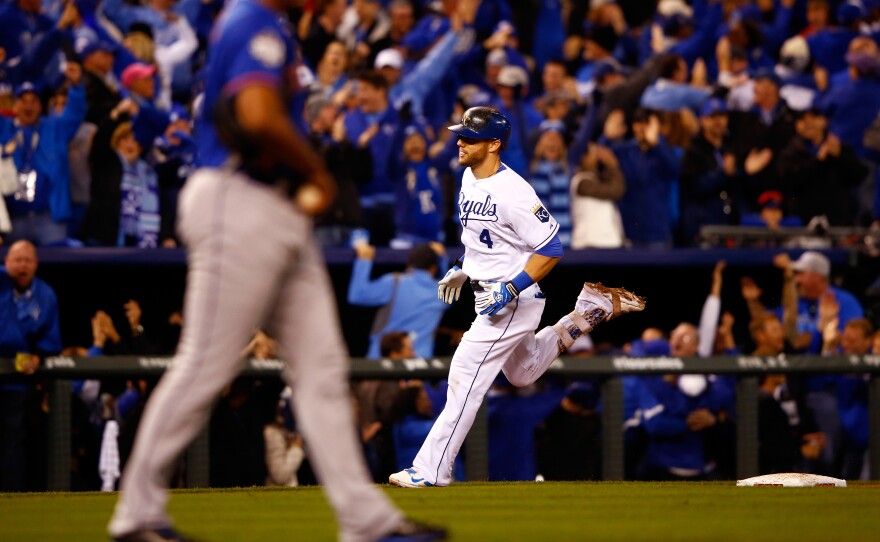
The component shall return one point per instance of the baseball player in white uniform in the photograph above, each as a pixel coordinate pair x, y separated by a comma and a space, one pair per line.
245, 219
510, 244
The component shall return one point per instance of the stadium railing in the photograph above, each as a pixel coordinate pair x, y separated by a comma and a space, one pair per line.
159, 257
817, 236
61, 370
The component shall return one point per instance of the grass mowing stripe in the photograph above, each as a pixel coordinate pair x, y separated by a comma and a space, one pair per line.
622, 511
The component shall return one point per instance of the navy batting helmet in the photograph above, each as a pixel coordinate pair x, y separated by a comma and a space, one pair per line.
483, 123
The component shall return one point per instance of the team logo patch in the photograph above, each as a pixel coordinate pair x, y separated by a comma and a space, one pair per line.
541, 213
268, 49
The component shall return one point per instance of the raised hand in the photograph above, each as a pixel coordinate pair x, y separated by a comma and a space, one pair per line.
782, 261
109, 328
717, 278
365, 251
750, 290
615, 125
99, 336
829, 308
729, 164
73, 71
133, 313
605, 156
757, 160
700, 74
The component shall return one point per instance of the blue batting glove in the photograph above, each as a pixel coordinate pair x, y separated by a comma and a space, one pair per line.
497, 295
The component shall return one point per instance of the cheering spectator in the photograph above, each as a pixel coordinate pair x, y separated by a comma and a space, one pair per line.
124, 208
596, 188
671, 91
174, 157
787, 435
284, 451
651, 168
418, 311
377, 125
331, 75
512, 88
771, 214
322, 27
852, 394
29, 331
349, 163
568, 441
514, 414
679, 412
401, 20
102, 86
819, 172
551, 178
410, 86
419, 215
709, 194
599, 43
760, 133
829, 44
170, 24
30, 39
40, 205
364, 24
811, 305
166, 57
798, 83
148, 120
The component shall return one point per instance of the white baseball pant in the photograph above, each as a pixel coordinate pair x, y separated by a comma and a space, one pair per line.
504, 342
251, 261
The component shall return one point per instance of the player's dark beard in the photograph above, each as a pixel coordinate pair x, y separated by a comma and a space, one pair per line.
473, 158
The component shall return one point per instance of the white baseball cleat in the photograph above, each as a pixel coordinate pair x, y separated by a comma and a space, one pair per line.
408, 478
598, 303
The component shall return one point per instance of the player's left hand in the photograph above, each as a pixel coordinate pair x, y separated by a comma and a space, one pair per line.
498, 294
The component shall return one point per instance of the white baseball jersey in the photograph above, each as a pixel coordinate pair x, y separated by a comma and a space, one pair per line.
503, 223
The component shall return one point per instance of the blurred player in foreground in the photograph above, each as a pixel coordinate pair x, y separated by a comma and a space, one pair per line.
511, 243
245, 217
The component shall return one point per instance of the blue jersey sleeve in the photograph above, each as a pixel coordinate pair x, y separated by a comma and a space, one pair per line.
553, 249
260, 58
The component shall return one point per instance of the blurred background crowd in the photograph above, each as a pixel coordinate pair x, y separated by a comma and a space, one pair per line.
638, 123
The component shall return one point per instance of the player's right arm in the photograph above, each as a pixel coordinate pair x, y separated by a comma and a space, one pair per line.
256, 63
261, 114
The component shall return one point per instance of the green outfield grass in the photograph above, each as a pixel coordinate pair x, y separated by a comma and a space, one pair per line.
545, 512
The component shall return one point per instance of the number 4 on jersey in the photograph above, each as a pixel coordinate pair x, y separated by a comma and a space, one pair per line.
486, 238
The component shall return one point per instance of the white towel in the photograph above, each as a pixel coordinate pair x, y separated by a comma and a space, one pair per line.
8, 186
108, 463
5, 222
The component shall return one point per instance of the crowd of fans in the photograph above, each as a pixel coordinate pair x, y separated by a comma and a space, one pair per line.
676, 427
636, 122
